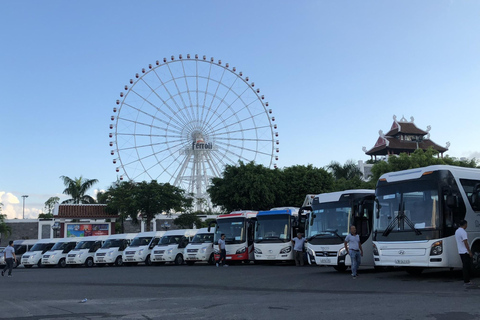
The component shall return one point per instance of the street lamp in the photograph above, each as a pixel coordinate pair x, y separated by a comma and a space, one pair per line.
24, 196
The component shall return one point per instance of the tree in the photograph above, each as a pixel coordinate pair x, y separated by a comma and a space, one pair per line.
77, 189
145, 200
4, 228
50, 204
347, 171
188, 220
417, 159
245, 186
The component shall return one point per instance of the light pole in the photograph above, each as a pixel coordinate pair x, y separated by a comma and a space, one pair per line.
24, 196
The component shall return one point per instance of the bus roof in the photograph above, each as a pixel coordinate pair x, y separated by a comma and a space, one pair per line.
276, 212
416, 173
236, 214
335, 196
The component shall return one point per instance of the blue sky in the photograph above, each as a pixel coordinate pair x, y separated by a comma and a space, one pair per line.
334, 72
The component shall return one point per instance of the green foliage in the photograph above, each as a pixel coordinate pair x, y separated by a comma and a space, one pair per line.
45, 216
144, 200
50, 204
417, 159
77, 189
347, 176
4, 228
255, 187
187, 220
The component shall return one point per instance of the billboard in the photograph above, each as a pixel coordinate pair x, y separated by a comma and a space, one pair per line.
87, 229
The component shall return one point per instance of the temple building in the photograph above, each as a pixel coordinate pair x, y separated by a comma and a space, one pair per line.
404, 136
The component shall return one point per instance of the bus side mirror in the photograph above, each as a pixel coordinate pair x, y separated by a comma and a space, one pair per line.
451, 201
313, 216
475, 199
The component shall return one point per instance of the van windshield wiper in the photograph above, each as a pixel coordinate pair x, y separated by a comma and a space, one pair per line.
401, 217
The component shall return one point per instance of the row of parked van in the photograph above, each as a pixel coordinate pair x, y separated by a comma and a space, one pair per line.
157, 247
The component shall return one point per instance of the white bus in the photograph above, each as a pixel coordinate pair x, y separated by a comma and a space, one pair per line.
329, 223
239, 229
274, 231
417, 212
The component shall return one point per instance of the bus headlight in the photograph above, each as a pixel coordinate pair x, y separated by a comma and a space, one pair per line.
286, 250
257, 250
310, 251
375, 250
342, 252
241, 250
437, 248
216, 251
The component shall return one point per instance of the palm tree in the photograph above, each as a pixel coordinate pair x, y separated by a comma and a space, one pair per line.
76, 188
347, 171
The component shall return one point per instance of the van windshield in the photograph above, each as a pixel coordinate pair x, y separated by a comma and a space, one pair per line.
166, 240
112, 243
59, 246
40, 246
203, 238
84, 245
141, 241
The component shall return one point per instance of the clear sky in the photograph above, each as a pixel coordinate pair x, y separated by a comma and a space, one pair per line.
334, 72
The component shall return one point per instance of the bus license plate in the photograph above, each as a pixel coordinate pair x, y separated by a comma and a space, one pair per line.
398, 261
325, 261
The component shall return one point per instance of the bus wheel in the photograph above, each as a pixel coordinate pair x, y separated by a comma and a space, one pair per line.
89, 263
178, 259
414, 271
340, 268
118, 261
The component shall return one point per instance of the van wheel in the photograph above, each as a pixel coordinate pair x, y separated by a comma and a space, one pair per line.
62, 263
178, 259
148, 261
118, 261
89, 263
211, 260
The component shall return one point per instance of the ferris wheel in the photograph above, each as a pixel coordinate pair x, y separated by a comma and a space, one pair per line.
182, 120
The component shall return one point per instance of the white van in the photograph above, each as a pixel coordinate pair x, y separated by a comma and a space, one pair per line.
141, 248
172, 245
83, 253
112, 249
20, 246
200, 248
57, 255
34, 256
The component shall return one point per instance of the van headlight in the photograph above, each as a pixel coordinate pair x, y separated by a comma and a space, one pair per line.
170, 251
437, 248
286, 250
110, 253
241, 250
140, 252
203, 250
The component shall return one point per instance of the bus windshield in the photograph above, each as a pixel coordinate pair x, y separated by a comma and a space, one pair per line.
203, 238
233, 228
272, 228
330, 220
141, 241
407, 206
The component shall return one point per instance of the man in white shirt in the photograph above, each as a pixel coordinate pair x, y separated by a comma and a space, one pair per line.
353, 246
464, 252
223, 251
9, 256
298, 244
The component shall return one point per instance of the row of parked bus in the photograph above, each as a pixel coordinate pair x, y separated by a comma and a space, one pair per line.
408, 221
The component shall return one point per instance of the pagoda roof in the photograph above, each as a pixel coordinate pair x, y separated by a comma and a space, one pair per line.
406, 128
397, 146
83, 211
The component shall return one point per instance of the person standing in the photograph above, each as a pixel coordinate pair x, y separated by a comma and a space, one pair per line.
464, 252
223, 251
9, 256
354, 249
298, 242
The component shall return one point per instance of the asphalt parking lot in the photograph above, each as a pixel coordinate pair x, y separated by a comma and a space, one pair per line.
237, 292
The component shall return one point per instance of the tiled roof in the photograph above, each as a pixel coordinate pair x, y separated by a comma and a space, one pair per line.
405, 127
399, 146
84, 211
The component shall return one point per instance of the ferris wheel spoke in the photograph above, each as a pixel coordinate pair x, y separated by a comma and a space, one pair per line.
171, 97
141, 123
219, 133
179, 92
235, 114
243, 149
180, 171
215, 169
188, 91
219, 82
154, 118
